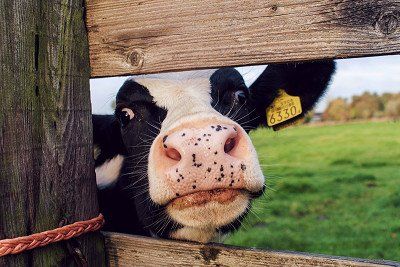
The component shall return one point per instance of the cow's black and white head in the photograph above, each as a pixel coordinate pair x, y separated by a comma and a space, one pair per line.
175, 160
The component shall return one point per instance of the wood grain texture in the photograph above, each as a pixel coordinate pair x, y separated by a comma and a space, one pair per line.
46, 165
135, 36
128, 250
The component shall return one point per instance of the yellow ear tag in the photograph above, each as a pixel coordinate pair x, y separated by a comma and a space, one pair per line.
283, 108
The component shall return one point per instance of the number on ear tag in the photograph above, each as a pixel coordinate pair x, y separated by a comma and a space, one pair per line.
283, 108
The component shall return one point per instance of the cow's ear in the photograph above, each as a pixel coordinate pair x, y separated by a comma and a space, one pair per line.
282, 86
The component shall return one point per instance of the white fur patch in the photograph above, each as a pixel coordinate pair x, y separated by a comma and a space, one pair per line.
108, 172
182, 94
203, 235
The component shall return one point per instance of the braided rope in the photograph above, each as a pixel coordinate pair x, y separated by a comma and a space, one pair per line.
20, 244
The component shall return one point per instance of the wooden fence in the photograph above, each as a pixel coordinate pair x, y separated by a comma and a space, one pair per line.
46, 171
46, 151
127, 36
127, 250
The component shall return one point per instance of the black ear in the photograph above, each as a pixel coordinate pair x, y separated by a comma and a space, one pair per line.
308, 81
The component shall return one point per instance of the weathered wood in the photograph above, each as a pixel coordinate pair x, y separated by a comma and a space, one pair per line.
128, 250
46, 165
135, 36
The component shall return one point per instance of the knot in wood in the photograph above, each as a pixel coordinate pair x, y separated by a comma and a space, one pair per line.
209, 253
136, 58
388, 22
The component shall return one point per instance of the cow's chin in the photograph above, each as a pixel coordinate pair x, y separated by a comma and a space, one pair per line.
202, 213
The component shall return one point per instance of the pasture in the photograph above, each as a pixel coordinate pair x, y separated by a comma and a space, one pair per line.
331, 189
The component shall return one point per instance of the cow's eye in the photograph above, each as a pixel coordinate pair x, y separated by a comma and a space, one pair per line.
240, 96
125, 116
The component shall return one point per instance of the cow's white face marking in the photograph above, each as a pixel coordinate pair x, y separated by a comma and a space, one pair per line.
181, 94
108, 172
187, 99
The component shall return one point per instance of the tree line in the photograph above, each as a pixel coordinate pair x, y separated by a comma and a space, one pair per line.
365, 106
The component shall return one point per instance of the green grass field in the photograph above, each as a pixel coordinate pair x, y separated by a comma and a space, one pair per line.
331, 189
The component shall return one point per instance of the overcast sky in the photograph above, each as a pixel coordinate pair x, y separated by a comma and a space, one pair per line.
353, 76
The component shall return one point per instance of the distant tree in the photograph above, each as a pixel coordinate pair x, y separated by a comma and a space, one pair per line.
386, 97
366, 106
113, 104
392, 109
337, 110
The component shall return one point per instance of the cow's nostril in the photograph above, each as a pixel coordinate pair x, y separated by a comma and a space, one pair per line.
172, 153
229, 145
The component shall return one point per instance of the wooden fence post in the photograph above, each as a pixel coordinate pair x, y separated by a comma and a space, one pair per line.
46, 166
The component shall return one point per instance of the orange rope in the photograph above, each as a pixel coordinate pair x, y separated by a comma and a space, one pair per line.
20, 244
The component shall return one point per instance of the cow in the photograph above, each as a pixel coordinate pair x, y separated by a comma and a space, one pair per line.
175, 159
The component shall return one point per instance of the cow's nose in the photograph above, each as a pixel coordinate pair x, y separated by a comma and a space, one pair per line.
189, 140
203, 158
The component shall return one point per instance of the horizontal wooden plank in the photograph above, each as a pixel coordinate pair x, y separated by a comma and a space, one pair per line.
128, 250
136, 36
